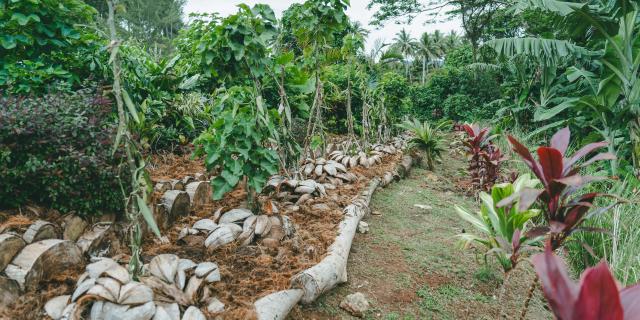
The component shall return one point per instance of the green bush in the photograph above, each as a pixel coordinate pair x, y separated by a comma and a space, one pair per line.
426, 104
394, 88
56, 152
458, 107
41, 43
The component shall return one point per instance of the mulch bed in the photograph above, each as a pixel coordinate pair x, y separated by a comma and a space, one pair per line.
248, 273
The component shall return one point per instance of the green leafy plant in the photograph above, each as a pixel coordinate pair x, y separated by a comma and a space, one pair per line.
503, 229
237, 144
41, 42
427, 138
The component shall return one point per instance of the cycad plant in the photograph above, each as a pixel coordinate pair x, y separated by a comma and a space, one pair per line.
502, 229
427, 138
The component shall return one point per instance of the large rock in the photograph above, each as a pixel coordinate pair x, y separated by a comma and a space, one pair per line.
356, 304
10, 245
41, 261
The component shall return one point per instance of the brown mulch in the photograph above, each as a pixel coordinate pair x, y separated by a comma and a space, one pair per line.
251, 272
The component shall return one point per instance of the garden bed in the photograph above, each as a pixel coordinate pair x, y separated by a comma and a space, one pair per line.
248, 273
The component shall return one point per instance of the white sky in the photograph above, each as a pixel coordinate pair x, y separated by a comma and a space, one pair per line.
358, 11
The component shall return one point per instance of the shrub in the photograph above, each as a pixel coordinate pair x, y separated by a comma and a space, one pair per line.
485, 158
502, 228
426, 138
56, 152
458, 107
565, 207
41, 42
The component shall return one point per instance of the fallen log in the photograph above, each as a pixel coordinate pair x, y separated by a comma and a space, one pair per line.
277, 305
40, 230
176, 204
10, 245
42, 260
198, 192
9, 292
332, 270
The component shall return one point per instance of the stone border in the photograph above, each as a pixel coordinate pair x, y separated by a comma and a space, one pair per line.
309, 284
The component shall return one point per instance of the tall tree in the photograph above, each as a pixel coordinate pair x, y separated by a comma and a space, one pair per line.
475, 15
428, 48
406, 44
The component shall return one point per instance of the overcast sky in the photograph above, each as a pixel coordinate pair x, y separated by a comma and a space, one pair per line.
358, 11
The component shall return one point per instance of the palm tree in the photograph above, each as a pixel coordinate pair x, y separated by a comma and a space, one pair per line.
451, 41
428, 49
405, 43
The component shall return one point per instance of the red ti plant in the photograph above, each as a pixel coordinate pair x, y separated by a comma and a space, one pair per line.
596, 297
564, 209
484, 156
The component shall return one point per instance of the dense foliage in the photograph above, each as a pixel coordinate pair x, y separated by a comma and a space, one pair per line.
56, 151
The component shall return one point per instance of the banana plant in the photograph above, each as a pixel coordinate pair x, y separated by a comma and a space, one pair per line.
502, 230
611, 100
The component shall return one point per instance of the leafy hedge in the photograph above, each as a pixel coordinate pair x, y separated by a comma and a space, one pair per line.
55, 150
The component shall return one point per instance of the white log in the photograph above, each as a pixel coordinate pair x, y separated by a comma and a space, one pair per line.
73, 227
93, 239
176, 203
10, 245
332, 270
277, 305
9, 292
198, 192
40, 230
42, 260
163, 186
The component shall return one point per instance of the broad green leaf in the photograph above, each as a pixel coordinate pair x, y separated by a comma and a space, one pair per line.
546, 114
7, 41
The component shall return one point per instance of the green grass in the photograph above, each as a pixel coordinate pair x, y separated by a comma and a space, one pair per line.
620, 247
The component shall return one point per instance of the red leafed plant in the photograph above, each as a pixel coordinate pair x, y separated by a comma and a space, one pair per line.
484, 157
564, 209
596, 297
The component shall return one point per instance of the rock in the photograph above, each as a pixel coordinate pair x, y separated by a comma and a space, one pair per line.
10, 245
43, 260
356, 304
73, 227
423, 207
9, 291
363, 227
40, 230
322, 207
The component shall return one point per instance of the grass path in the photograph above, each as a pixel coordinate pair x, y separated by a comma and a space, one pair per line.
409, 266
